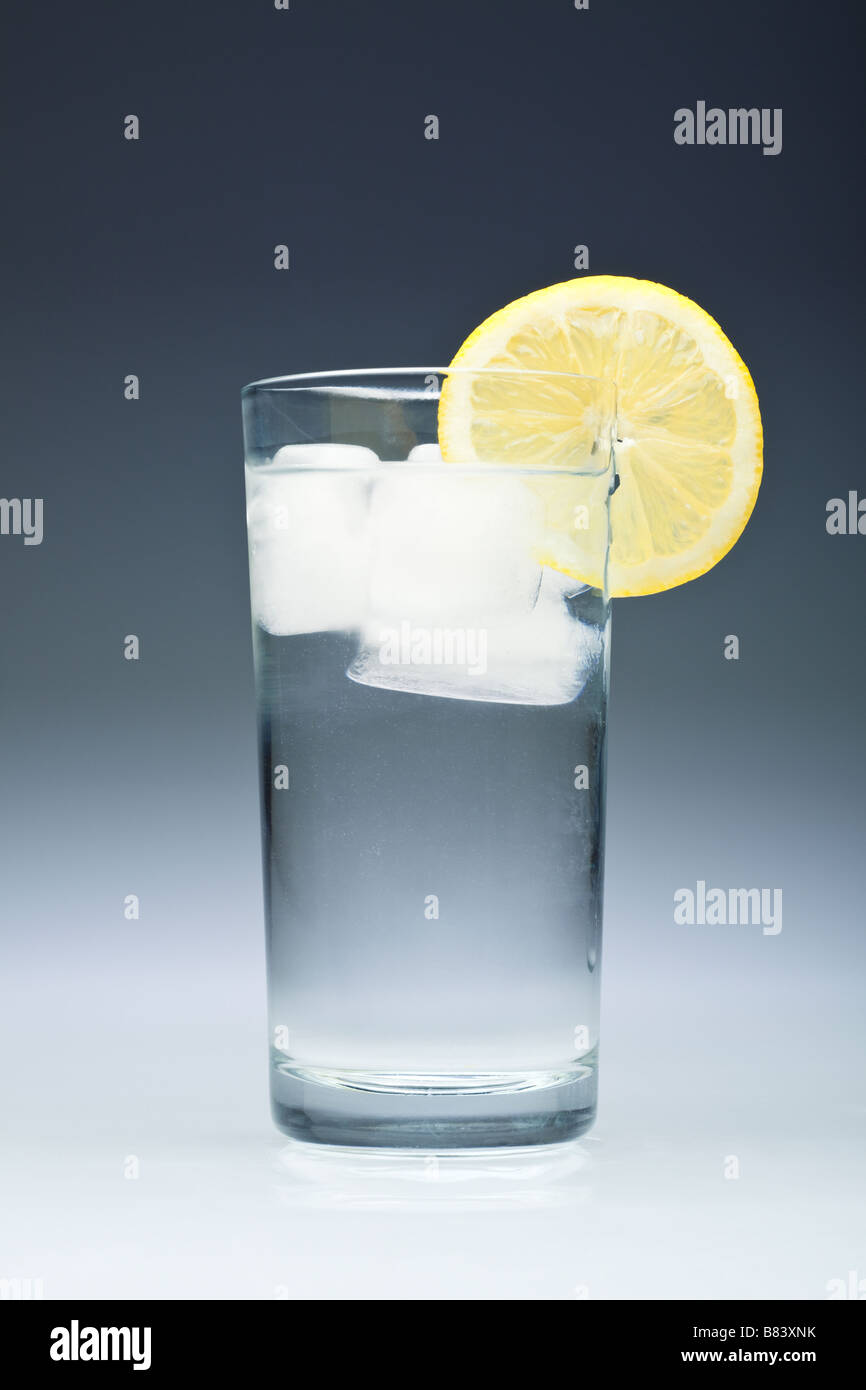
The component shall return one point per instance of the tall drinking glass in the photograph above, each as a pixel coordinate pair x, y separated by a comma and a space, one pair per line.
428, 556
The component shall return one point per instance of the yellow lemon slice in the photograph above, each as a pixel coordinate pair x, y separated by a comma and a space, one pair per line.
689, 437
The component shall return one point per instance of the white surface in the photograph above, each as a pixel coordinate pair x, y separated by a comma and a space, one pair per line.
224, 1207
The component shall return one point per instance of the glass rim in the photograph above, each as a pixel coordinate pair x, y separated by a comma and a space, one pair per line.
300, 379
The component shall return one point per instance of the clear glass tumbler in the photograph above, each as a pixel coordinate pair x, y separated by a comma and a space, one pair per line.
431, 658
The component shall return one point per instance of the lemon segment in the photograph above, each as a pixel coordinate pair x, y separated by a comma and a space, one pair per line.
688, 425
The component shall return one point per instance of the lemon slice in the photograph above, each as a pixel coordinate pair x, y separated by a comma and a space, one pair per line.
689, 437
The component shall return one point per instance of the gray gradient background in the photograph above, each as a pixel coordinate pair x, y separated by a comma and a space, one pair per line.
148, 1038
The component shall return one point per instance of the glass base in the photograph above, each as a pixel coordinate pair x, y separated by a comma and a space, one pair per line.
479, 1110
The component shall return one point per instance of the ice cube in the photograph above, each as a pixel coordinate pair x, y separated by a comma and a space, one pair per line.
308, 538
451, 546
425, 453
541, 657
